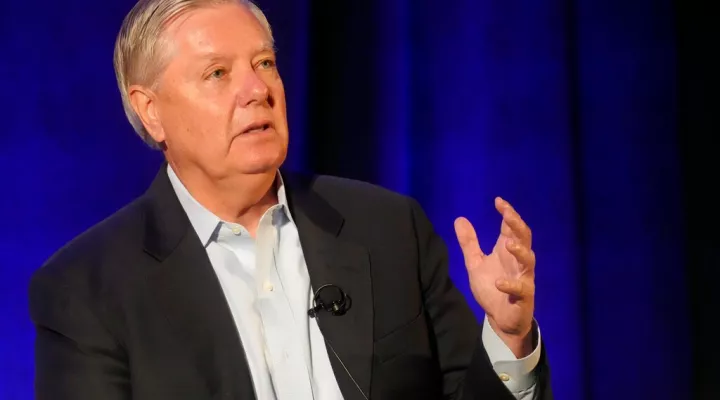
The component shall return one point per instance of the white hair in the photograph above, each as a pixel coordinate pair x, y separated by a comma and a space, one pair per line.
139, 56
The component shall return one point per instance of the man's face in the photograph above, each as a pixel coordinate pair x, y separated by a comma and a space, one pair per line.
221, 103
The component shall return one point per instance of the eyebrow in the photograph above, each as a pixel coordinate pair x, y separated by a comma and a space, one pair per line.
213, 55
267, 46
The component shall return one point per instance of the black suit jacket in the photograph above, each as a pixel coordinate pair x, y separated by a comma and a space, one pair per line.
132, 309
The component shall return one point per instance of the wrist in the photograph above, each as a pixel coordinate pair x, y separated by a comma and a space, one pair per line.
520, 343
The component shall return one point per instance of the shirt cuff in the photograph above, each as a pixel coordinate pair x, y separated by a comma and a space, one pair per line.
517, 374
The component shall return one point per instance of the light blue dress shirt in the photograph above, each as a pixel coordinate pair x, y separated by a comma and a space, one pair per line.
266, 283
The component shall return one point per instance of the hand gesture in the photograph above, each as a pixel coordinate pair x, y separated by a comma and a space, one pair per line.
503, 282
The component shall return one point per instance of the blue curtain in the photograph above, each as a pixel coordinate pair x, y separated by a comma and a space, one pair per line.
564, 107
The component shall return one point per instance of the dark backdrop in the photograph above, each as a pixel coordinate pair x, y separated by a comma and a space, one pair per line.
699, 127
570, 109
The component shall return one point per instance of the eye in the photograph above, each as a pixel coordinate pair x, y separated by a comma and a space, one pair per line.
266, 64
217, 73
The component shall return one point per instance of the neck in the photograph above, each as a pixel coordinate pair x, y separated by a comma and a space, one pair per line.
242, 199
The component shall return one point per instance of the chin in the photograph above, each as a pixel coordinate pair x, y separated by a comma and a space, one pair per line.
257, 154
267, 163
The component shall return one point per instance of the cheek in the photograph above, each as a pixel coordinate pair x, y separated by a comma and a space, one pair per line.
196, 121
275, 85
279, 107
190, 139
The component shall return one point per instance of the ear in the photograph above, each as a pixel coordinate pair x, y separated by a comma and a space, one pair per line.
143, 101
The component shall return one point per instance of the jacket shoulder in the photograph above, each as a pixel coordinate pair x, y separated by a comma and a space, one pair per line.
368, 205
104, 243
357, 191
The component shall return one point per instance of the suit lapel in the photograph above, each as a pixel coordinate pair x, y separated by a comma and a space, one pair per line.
333, 260
186, 288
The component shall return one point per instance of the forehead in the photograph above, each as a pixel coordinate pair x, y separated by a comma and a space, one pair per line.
222, 28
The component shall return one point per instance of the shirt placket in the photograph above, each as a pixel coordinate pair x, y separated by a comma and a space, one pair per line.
285, 360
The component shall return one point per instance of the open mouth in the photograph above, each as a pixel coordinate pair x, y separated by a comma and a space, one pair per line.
255, 128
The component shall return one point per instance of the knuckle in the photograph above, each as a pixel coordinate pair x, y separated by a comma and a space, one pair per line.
518, 286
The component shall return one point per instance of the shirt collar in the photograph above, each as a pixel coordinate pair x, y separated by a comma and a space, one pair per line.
203, 220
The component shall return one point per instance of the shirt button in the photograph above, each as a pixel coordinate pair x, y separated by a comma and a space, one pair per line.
268, 287
236, 230
504, 377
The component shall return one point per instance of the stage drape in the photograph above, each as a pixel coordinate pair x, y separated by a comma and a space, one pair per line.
566, 108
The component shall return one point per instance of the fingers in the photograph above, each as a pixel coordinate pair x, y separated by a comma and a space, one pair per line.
467, 237
518, 288
513, 225
524, 255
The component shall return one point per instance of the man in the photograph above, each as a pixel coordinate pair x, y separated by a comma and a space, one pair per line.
228, 279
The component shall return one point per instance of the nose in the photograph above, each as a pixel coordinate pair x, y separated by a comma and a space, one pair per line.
253, 90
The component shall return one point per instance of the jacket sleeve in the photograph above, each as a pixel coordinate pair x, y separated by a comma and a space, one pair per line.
76, 357
463, 361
